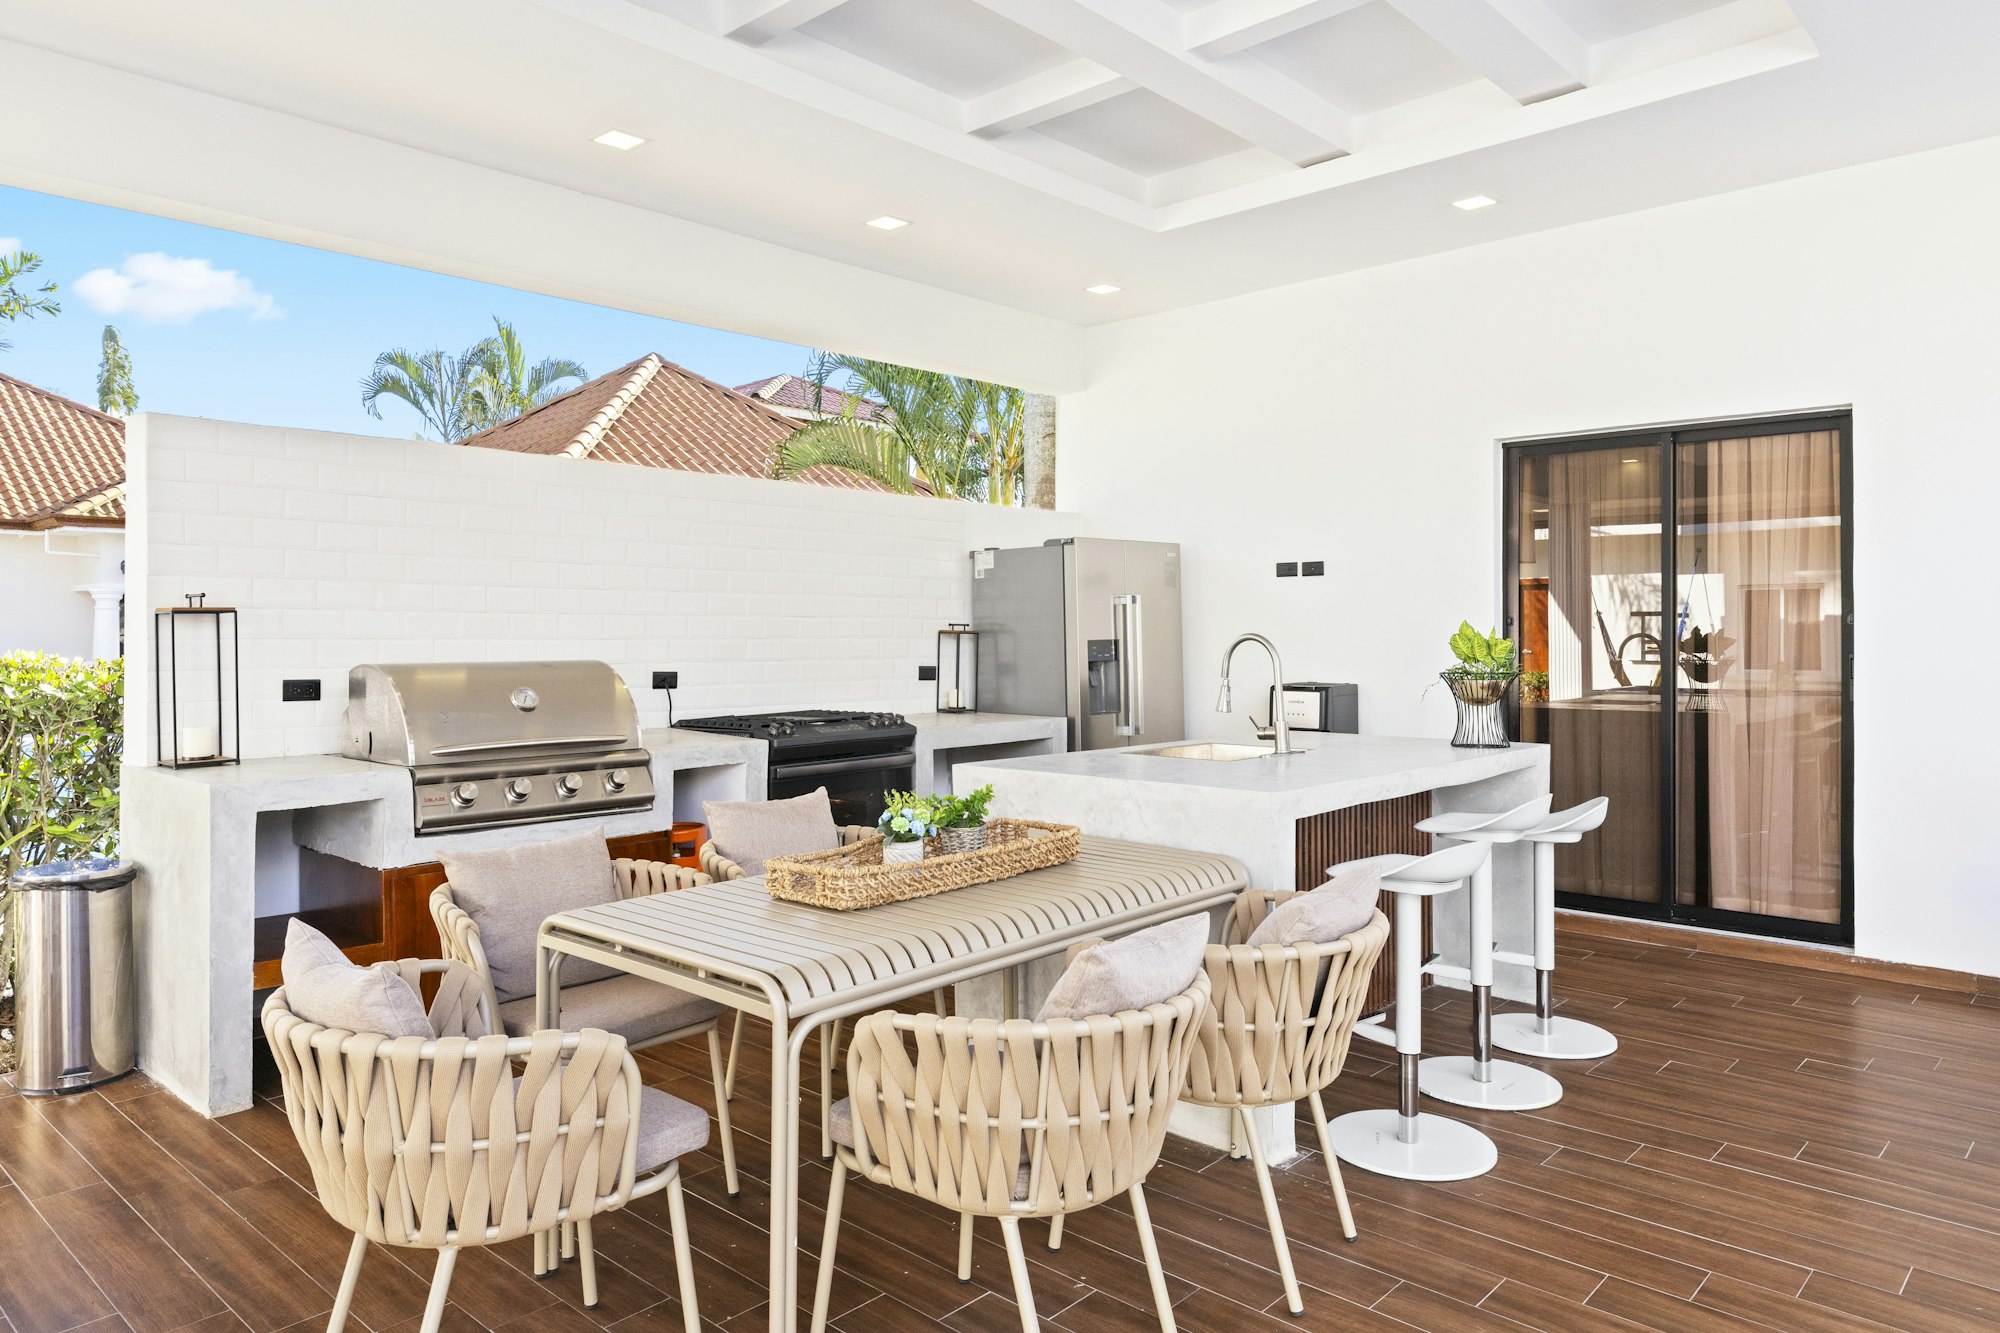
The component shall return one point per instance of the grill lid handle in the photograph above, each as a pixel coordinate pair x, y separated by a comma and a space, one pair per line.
539, 742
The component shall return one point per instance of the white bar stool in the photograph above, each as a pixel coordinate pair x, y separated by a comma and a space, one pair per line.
1478, 1080
1398, 1141
1542, 1033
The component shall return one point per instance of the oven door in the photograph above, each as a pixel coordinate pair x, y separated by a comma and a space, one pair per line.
854, 786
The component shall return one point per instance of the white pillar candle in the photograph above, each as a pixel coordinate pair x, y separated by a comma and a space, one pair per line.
197, 742
951, 699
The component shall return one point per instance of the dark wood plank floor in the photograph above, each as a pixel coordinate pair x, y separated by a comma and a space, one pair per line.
1771, 1148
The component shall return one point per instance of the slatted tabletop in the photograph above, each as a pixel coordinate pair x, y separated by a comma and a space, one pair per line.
820, 957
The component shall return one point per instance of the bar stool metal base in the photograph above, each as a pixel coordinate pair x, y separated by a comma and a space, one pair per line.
1444, 1150
1566, 1039
1513, 1087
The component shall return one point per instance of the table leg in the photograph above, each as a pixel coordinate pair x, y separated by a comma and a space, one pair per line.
784, 1175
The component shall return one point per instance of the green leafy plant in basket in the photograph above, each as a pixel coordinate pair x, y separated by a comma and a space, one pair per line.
1485, 666
962, 812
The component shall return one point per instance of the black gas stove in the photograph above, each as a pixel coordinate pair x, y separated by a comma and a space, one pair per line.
857, 757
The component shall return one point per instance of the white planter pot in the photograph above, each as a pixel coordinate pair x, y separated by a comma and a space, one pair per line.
894, 853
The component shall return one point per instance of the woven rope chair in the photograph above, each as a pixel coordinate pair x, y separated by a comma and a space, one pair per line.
721, 868
1012, 1119
434, 1143
459, 935
1279, 1021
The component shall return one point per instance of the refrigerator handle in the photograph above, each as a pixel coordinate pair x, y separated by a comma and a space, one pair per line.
1131, 719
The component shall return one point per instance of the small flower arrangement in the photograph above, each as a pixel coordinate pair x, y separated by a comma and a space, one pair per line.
953, 823
906, 817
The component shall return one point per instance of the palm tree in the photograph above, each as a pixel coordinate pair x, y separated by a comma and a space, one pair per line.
16, 303
505, 385
959, 437
456, 396
437, 384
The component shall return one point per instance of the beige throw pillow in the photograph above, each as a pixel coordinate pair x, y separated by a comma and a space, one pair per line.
1143, 968
1338, 907
752, 832
510, 891
322, 986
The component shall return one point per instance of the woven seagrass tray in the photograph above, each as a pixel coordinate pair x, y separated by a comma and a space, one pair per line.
846, 879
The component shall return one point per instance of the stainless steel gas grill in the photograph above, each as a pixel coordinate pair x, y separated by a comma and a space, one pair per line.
491, 743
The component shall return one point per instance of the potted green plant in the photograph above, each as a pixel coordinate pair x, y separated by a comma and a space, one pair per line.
960, 821
906, 821
1486, 666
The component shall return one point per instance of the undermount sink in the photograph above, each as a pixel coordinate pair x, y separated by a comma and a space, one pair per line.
1208, 750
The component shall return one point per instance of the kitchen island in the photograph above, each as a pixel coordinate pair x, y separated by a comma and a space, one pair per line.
1286, 817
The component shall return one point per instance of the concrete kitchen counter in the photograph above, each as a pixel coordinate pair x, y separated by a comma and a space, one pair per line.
945, 740
219, 847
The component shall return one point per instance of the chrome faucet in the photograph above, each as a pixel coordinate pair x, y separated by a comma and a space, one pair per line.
1278, 733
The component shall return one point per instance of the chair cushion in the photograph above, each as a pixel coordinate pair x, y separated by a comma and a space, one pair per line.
510, 891
323, 986
752, 832
633, 1007
668, 1128
840, 1124
1338, 907
1143, 968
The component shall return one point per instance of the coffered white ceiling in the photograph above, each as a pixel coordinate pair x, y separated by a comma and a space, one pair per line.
1167, 113
1182, 150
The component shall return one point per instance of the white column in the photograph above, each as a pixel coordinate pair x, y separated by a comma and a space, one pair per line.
104, 599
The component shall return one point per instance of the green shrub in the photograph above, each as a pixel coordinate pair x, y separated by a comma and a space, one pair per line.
61, 741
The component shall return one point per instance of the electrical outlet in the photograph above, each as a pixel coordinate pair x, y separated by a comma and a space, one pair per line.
927, 672
1288, 569
301, 691
666, 680
1314, 569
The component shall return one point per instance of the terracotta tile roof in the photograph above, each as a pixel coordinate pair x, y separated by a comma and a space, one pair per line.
653, 413
790, 391
60, 462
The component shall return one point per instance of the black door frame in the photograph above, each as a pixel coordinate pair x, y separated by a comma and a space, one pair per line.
1666, 439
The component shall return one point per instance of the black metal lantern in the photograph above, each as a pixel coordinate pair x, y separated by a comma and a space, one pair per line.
958, 669
191, 730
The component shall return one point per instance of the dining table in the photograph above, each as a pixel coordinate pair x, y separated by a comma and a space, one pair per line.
801, 968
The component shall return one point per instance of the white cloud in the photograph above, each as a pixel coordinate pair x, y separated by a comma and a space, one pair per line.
172, 290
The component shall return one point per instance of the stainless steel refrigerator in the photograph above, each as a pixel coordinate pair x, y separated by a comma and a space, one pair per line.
1085, 628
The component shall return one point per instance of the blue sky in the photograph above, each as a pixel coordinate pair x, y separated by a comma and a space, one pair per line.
248, 329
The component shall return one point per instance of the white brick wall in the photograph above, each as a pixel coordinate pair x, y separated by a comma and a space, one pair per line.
342, 549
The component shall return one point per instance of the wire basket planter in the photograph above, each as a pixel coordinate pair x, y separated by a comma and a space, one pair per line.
1482, 721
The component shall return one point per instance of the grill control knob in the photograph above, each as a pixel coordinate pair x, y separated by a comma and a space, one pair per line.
464, 794
519, 789
615, 780
568, 784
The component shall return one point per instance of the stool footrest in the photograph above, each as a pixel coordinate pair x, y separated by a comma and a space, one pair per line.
1375, 1029
1452, 970
1509, 956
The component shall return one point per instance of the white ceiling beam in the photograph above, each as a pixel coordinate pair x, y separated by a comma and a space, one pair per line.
1519, 44
755, 22
1224, 27
1039, 97
1143, 40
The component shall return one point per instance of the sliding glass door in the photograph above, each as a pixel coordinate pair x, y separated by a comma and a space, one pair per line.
1680, 600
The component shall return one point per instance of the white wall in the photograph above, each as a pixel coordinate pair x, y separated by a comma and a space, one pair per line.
40, 573
1357, 419
344, 549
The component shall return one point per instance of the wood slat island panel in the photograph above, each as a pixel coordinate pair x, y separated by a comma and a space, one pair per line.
1375, 829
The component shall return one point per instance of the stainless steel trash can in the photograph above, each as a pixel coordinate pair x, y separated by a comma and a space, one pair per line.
73, 1015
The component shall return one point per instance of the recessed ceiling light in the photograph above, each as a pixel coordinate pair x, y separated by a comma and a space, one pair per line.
887, 223
619, 139
1103, 289
1476, 202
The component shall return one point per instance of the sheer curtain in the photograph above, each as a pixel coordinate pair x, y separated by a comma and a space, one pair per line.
1761, 741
